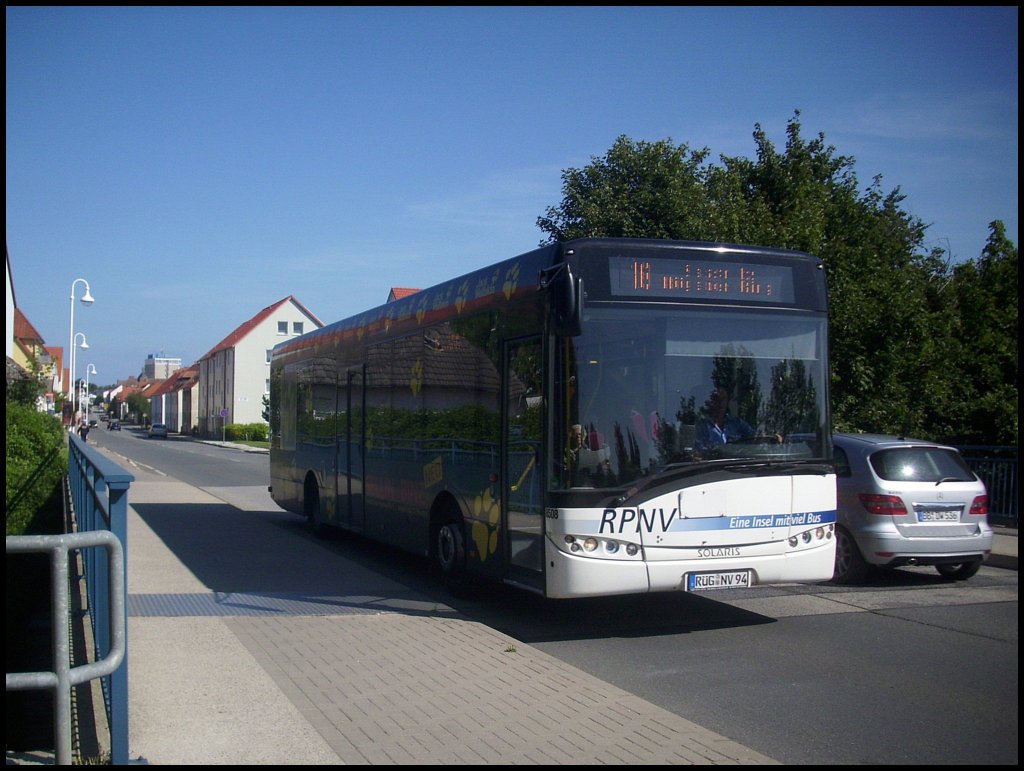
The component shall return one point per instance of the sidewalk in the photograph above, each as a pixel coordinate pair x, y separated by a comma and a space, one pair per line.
244, 649
1004, 548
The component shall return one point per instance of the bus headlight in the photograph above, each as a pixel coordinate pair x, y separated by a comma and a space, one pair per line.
593, 545
818, 534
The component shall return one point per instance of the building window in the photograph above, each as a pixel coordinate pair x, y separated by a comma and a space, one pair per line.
270, 352
267, 387
297, 327
282, 327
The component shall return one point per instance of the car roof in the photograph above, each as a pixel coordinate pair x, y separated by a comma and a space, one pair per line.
880, 441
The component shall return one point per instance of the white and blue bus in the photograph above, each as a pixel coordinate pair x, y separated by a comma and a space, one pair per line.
595, 417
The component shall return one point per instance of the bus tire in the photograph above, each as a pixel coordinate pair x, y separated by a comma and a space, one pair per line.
311, 506
450, 553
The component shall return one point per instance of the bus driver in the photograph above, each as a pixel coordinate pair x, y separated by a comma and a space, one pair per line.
717, 425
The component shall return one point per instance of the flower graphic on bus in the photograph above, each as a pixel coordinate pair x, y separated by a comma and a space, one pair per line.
485, 523
511, 281
461, 297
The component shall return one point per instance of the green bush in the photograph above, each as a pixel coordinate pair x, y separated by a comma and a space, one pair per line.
247, 432
37, 461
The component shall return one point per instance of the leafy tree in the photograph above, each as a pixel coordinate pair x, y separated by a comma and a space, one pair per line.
639, 190
892, 334
981, 298
24, 390
138, 406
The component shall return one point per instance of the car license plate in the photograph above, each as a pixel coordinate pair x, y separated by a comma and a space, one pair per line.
726, 579
929, 515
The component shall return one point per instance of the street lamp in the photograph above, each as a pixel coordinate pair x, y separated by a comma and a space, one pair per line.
74, 385
90, 370
87, 299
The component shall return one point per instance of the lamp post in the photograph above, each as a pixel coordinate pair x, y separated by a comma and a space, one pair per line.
90, 370
74, 385
87, 299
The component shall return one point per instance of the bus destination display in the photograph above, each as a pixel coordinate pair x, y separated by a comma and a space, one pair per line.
700, 279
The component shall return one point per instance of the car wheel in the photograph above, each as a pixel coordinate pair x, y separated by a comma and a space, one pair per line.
850, 566
960, 572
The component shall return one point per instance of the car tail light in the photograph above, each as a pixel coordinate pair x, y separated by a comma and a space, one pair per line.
891, 505
979, 507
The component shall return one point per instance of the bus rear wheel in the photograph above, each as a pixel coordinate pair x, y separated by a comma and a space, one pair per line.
450, 553
311, 505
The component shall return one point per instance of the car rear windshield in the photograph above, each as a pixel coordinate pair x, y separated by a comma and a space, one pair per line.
921, 464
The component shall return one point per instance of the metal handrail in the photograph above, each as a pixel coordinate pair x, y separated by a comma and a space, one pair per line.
64, 677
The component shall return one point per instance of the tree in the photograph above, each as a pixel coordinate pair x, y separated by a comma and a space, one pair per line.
138, 407
23, 387
639, 189
891, 333
984, 295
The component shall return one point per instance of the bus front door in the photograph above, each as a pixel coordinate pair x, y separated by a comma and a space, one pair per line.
351, 441
521, 465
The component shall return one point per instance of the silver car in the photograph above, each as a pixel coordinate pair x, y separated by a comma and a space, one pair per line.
907, 502
158, 430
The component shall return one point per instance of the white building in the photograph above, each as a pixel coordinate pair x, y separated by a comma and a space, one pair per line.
160, 367
234, 376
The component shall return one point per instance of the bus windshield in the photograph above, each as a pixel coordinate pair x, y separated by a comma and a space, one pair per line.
647, 388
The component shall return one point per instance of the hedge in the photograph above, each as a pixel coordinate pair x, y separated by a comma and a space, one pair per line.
37, 461
249, 432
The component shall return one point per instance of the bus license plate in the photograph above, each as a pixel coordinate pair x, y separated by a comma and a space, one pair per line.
728, 579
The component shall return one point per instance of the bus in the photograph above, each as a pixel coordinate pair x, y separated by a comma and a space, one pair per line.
598, 416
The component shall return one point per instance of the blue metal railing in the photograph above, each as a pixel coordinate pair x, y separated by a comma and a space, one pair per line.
99, 496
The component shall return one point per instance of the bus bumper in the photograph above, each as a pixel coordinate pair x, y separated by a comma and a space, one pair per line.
569, 575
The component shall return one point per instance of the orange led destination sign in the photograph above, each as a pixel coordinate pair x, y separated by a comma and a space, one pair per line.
701, 279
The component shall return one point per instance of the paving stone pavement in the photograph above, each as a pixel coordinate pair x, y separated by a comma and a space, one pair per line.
377, 676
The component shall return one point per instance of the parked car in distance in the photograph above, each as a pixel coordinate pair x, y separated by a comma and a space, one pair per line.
158, 430
114, 425
907, 502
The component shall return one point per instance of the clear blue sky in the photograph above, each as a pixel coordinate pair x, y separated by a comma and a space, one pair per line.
196, 165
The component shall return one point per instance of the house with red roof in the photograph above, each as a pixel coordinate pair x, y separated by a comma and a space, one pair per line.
175, 401
44, 362
234, 375
397, 293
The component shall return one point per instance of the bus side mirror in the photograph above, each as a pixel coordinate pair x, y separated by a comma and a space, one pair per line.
566, 298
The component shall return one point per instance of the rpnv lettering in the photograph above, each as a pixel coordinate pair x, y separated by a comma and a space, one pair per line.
637, 520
